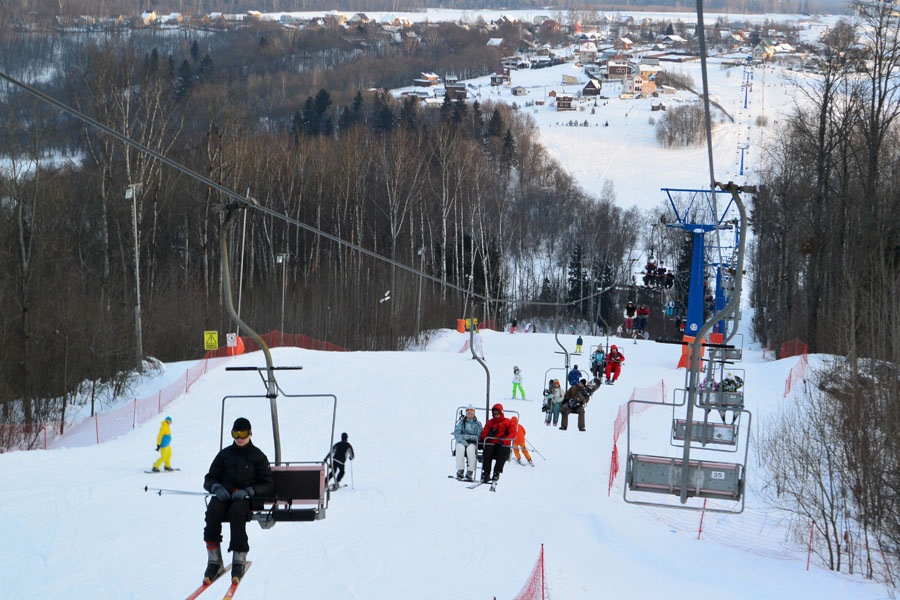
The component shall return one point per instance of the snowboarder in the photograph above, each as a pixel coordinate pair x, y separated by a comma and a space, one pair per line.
573, 402
578, 344
519, 442
497, 436
238, 473
339, 455
164, 446
614, 362
467, 433
517, 383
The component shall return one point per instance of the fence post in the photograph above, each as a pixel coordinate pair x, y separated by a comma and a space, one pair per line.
543, 581
97, 427
702, 515
159, 402
134, 415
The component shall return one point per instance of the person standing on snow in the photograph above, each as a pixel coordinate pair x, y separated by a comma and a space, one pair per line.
238, 473
337, 458
614, 362
517, 383
497, 436
467, 433
164, 446
578, 344
519, 442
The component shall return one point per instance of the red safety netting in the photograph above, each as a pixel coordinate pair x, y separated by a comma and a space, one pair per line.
793, 347
276, 339
536, 586
655, 393
105, 426
798, 373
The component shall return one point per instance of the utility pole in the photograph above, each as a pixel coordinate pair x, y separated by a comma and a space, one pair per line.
132, 191
282, 259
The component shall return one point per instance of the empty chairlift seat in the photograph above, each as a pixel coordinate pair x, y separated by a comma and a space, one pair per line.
732, 354
706, 433
706, 479
299, 495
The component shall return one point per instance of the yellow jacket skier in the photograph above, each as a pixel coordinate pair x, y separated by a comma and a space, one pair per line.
164, 446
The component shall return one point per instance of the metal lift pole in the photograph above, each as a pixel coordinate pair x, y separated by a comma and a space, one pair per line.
697, 344
271, 384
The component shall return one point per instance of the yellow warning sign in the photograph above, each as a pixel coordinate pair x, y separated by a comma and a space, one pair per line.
210, 340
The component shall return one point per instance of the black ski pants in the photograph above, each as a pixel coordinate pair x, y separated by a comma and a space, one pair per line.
496, 453
237, 513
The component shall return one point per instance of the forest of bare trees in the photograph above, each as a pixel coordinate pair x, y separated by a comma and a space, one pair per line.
826, 271
463, 191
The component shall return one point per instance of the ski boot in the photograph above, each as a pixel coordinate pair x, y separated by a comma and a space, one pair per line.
214, 566
154, 470
168, 469
459, 474
238, 564
469, 476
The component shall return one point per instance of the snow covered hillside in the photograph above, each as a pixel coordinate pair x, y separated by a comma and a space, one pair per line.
80, 525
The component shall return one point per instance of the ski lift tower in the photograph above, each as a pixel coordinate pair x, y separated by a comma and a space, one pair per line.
697, 212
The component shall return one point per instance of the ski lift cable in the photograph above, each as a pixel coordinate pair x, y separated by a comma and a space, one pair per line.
707, 115
246, 201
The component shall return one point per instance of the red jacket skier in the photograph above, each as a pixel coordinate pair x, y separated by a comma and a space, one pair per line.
497, 435
614, 361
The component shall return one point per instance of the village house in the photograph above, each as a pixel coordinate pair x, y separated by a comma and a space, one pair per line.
569, 79
519, 91
592, 88
623, 43
618, 68
427, 80
564, 102
587, 52
456, 91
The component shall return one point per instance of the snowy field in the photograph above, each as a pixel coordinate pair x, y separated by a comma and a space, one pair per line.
80, 525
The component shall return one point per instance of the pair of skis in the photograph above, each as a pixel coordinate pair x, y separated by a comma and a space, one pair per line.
229, 593
476, 484
493, 484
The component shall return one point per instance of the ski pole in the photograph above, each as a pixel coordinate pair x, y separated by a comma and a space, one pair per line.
351, 475
535, 450
161, 491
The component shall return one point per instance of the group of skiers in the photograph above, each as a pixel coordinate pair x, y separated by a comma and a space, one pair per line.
495, 438
731, 383
658, 276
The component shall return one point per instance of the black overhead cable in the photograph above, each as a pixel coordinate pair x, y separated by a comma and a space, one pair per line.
249, 202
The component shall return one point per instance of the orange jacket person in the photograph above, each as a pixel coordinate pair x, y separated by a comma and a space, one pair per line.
519, 442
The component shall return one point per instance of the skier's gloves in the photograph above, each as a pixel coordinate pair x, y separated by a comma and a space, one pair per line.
157, 447
221, 493
244, 494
